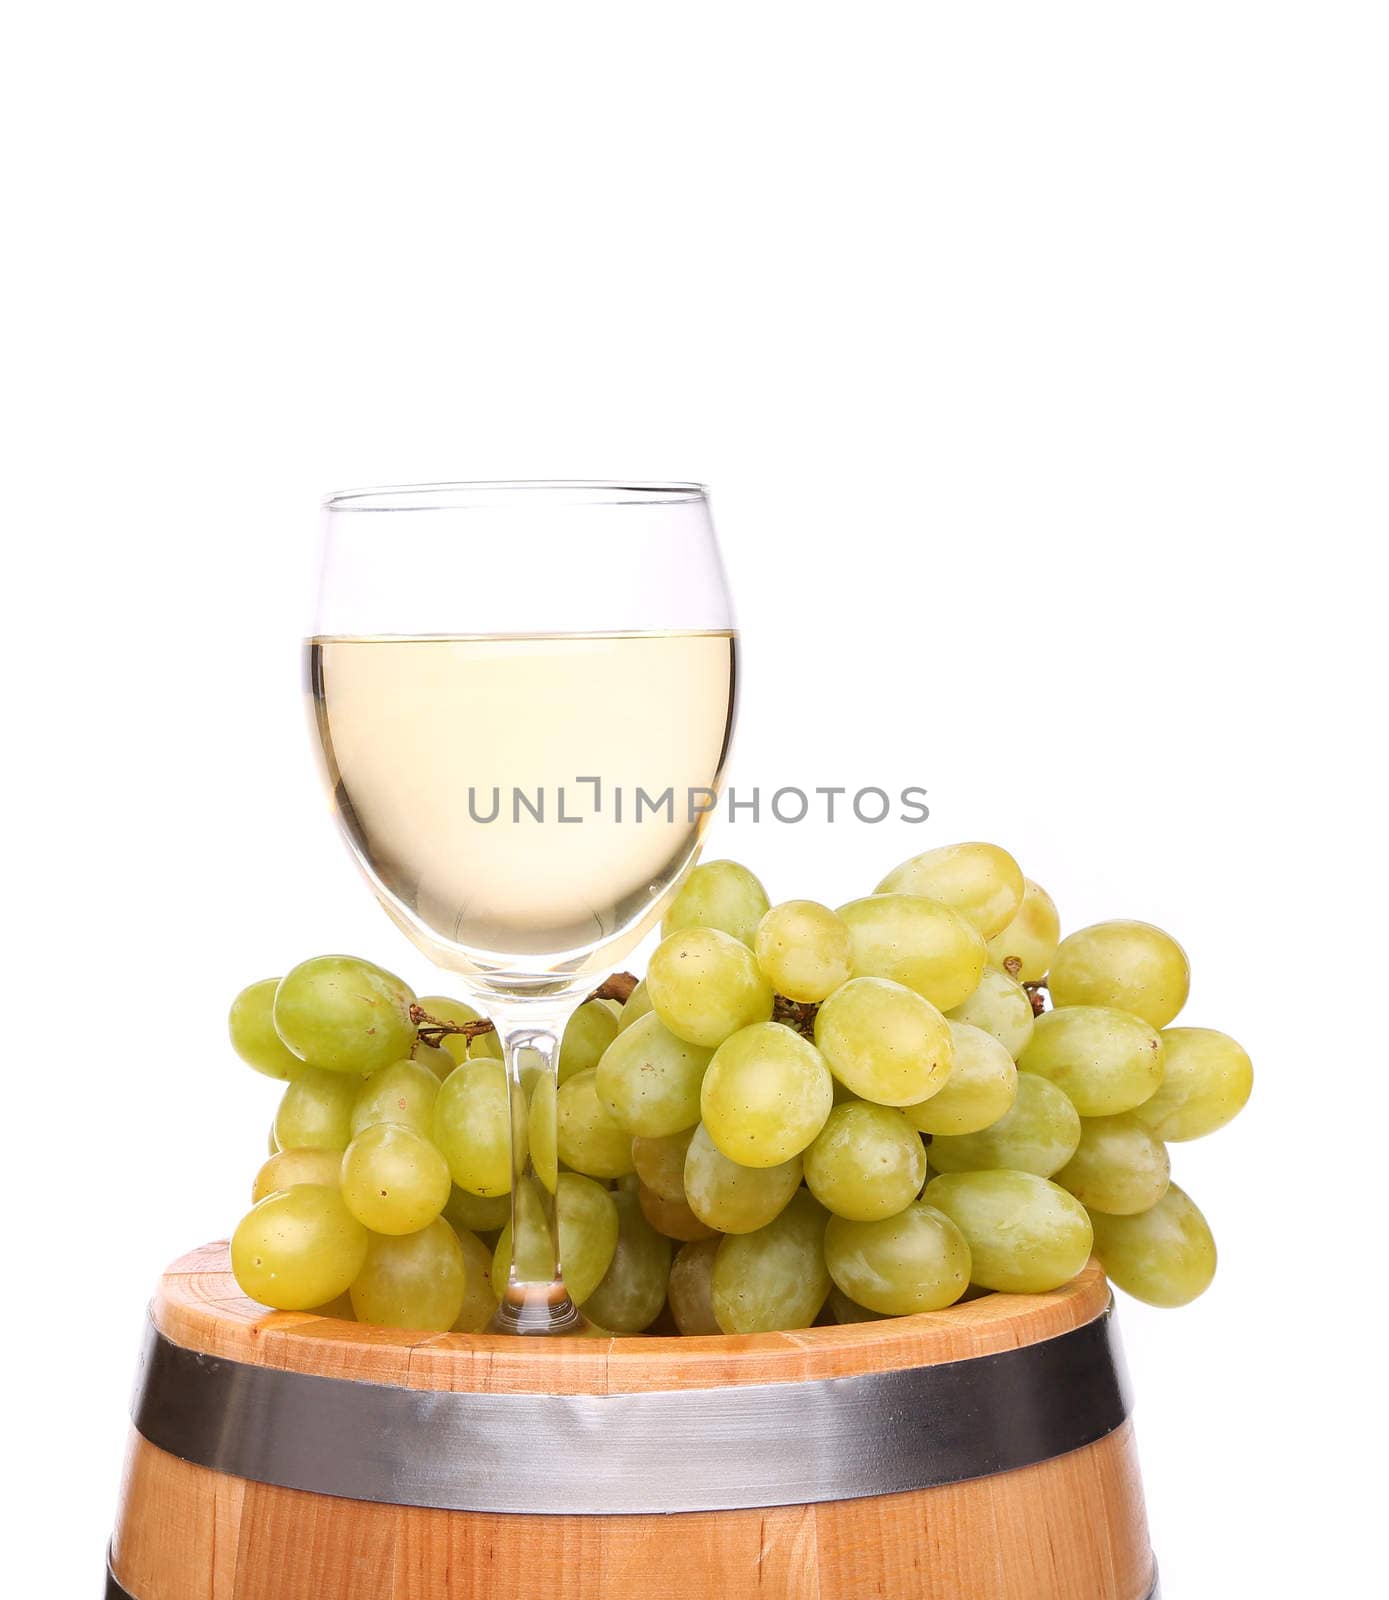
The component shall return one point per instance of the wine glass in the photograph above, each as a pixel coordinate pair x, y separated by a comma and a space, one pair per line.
523, 694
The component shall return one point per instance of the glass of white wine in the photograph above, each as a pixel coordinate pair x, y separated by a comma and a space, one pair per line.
523, 694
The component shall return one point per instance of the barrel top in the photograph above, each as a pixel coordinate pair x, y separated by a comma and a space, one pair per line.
199, 1305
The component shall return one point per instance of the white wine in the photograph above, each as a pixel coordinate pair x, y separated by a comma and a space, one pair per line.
522, 804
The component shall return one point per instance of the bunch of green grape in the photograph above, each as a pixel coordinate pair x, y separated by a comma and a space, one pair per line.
799, 1115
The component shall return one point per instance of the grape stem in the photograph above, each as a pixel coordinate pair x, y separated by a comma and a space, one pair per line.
619, 987
433, 1030
798, 1015
1037, 993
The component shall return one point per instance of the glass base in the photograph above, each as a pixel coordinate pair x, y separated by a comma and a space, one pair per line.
540, 1310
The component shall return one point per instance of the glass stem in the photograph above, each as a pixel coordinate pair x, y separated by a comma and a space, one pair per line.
536, 1301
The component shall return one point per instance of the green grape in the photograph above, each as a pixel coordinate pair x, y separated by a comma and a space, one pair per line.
883, 1042
842, 1096
691, 1287
649, 1079
1000, 1006
315, 1112
981, 1088
1030, 939
472, 1127
1025, 1234
1208, 1079
404, 1093
344, 1015
251, 1023
633, 1289
1105, 1060
532, 1214
1164, 1256
705, 985
1038, 1133
804, 950
591, 1139
476, 1213
479, 1303
542, 1129
660, 1163
439, 1062
731, 1197
638, 1005
298, 1248
587, 1034
339, 1308
289, 1167
671, 1217
1118, 1166
412, 1280
532, 1066
916, 1260
981, 882
1131, 966
843, 1309
976, 1292
393, 1179
776, 1277
486, 1046
866, 1163
765, 1095
588, 1230
916, 942
272, 1144
718, 894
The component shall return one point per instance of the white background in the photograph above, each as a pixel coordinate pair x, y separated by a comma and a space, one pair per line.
1037, 358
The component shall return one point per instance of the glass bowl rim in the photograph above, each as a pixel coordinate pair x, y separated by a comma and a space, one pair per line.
469, 495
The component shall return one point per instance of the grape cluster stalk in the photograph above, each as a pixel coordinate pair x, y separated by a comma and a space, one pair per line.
798, 1115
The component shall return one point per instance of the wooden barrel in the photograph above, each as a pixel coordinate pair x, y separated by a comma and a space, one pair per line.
979, 1453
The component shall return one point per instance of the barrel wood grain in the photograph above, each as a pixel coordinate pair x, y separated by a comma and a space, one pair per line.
1071, 1528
